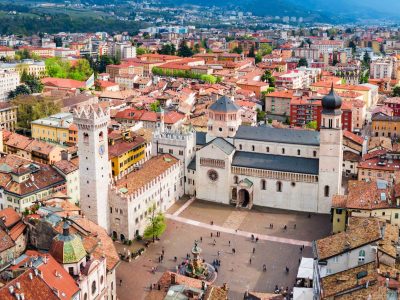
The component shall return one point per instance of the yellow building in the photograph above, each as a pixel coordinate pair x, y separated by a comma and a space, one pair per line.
125, 150
366, 199
54, 129
388, 126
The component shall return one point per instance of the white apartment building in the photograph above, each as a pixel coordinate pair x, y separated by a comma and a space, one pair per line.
9, 80
327, 46
35, 68
122, 50
384, 68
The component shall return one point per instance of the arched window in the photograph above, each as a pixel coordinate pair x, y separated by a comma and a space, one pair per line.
86, 137
263, 184
253, 148
326, 191
101, 279
94, 287
240, 147
85, 296
315, 153
267, 149
298, 152
101, 136
279, 186
361, 256
283, 150
235, 180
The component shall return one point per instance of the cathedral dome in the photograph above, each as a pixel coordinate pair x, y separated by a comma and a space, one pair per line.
67, 248
331, 103
224, 105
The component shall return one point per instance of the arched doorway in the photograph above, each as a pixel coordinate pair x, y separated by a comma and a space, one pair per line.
122, 237
244, 197
114, 235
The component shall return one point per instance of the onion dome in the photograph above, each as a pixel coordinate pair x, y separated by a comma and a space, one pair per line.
67, 248
224, 105
331, 103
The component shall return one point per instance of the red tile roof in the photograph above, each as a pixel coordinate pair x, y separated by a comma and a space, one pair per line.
63, 83
354, 137
9, 216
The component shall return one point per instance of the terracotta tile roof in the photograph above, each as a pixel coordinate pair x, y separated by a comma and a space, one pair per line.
62, 282
351, 156
9, 216
353, 137
364, 195
122, 146
6, 241
63, 83
374, 164
281, 94
35, 288
354, 237
150, 170
65, 166
327, 84
17, 230
347, 280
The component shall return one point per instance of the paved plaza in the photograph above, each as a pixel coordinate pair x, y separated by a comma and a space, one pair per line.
188, 221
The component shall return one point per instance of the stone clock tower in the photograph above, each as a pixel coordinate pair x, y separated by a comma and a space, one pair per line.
94, 167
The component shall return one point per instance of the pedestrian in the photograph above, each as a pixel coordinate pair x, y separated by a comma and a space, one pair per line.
151, 286
256, 239
162, 258
175, 258
301, 249
254, 250
284, 227
212, 222
159, 259
252, 237
120, 282
272, 225
229, 243
163, 251
211, 234
264, 267
216, 270
299, 260
250, 261
287, 269
233, 250
201, 239
215, 242
309, 216
294, 226
218, 252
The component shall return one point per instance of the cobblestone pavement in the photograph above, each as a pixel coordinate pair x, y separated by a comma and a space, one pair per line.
235, 269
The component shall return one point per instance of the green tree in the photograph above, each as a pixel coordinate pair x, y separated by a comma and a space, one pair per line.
265, 49
104, 61
196, 49
238, 50
156, 225
267, 77
312, 125
302, 62
34, 84
58, 41
31, 108
260, 115
81, 71
155, 106
56, 67
252, 52
366, 60
167, 49
19, 90
184, 50
396, 91
140, 51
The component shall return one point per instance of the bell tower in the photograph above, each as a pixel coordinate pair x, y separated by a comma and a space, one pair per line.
331, 151
94, 167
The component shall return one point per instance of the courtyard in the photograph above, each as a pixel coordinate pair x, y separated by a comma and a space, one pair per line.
188, 221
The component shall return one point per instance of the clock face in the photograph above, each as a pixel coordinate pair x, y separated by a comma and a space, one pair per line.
101, 149
213, 175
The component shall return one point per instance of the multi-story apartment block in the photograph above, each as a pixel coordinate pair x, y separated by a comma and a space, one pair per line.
8, 116
56, 128
31, 67
9, 80
384, 68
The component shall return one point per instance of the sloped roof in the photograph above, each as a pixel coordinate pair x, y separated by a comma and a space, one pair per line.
278, 135
223, 145
273, 162
224, 104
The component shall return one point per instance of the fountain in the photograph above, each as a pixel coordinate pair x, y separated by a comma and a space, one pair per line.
197, 268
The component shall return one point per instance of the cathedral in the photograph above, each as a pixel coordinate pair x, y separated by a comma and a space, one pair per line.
231, 163
272, 167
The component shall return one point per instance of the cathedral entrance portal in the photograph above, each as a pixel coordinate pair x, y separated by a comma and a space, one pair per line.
244, 197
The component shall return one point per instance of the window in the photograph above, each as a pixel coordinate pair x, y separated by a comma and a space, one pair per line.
298, 152
315, 153
361, 256
240, 147
86, 137
283, 150
253, 148
326, 191
180, 152
235, 180
293, 184
263, 184
396, 215
171, 151
335, 259
267, 149
94, 287
279, 186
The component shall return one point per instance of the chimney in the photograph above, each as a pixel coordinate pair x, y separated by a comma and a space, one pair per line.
30, 276
18, 285
22, 296
11, 289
